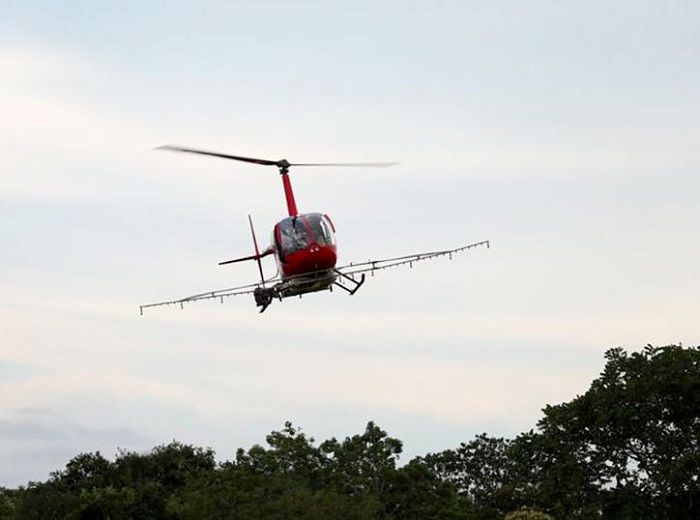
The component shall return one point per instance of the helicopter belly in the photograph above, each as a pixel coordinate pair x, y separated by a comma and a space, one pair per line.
302, 284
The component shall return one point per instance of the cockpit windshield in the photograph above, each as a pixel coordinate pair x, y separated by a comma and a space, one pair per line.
294, 235
297, 233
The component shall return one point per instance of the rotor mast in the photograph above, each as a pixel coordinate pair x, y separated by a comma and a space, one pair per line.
284, 165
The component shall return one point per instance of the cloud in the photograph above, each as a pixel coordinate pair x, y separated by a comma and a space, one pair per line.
43, 424
438, 366
453, 393
57, 137
95, 386
36, 441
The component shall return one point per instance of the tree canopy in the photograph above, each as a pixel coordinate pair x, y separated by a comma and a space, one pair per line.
627, 448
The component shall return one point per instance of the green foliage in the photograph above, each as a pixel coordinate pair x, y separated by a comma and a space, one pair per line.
362, 463
416, 492
480, 470
133, 486
7, 502
628, 448
528, 514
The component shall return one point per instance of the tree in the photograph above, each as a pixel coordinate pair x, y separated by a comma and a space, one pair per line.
134, 486
363, 463
417, 492
8, 498
291, 478
481, 470
631, 444
291, 452
169, 465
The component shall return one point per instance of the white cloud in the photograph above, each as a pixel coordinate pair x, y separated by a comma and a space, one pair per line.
49, 440
60, 142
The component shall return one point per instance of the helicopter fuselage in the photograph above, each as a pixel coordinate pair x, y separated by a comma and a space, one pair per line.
304, 245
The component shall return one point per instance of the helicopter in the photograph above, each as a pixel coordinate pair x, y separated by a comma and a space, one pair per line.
304, 246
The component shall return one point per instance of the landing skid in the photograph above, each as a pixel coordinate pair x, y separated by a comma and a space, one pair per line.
348, 283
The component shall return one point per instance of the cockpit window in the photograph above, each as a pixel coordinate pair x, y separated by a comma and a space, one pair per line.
322, 232
293, 235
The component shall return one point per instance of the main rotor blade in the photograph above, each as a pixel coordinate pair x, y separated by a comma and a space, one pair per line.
264, 162
367, 165
282, 163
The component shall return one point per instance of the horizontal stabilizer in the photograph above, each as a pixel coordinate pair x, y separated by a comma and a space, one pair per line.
251, 257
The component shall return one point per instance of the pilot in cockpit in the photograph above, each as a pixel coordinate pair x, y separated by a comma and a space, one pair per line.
294, 237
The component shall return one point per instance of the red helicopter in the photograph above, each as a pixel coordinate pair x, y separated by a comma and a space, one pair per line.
304, 246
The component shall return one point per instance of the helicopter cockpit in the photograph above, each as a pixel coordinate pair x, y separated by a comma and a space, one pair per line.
297, 233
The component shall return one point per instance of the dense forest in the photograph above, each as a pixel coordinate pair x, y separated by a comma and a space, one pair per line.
629, 448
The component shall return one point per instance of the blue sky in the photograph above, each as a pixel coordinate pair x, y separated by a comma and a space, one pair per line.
566, 133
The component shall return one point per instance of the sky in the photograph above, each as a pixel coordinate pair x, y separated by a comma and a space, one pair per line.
566, 133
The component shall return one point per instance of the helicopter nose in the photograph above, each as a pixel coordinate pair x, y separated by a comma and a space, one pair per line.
321, 257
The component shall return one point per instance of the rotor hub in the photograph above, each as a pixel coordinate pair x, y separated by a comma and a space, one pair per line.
283, 165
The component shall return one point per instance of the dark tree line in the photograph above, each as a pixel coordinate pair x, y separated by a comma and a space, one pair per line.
629, 448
